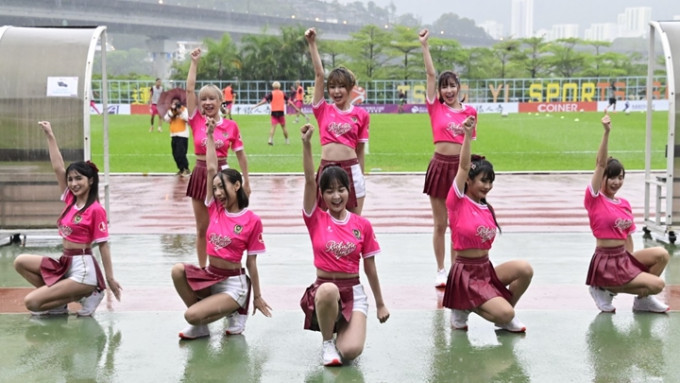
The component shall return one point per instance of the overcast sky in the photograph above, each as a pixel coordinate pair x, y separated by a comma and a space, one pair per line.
546, 12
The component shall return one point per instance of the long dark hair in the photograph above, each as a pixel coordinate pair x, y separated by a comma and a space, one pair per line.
480, 165
233, 176
87, 169
330, 174
444, 79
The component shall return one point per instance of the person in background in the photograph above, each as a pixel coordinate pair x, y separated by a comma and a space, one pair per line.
278, 100
227, 135
76, 275
447, 114
298, 100
615, 267
336, 301
228, 100
474, 284
223, 289
155, 94
343, 127
178, 116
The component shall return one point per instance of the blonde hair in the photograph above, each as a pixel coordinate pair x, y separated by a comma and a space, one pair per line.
276, 85
217, 92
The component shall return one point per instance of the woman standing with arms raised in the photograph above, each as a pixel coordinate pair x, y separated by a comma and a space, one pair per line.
343, 127
447, 115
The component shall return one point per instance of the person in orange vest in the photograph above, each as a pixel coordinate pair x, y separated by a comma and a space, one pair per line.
227, 101
277, 100
298, 96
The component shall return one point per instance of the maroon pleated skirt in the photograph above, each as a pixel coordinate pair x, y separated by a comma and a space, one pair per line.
199, 279
473, 281
347, 167
53, 270
440, 174
613, 266
345, 286
196, 188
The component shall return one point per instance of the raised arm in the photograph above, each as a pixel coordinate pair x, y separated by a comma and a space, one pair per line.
55, 155
310, 35
210, 157
191, 81
602, 154
309, 199
430, 73
465, 152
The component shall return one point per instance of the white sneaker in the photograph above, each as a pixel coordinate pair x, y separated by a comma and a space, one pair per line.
194, 332
331, 357
62, 310
90, 303
441, 279
649, 303
459, 319
513, 326
287, 142
603, 299
236, 323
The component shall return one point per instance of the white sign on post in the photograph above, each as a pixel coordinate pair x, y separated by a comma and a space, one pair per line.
62, 86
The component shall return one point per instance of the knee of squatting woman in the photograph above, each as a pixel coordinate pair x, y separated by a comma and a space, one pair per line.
76, 275
474, 284
223, 289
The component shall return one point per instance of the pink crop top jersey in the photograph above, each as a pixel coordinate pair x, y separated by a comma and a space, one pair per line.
229, 235
447, 123
609, 219
472, 225
226, 135
342, 127
339, 245
83, 226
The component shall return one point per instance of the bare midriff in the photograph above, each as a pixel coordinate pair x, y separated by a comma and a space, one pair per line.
447, 148
224, 264
610, 242
472, 253
334, 275
337, 152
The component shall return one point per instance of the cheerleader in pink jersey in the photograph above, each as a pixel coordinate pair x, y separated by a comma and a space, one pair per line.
473, 283
343, 127
227, 135
76, 274
223, 289
336, 301
615, 267
447, 115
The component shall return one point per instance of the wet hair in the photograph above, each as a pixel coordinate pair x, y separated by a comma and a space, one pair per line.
479, 165
343, 77
331, 174
445, 78
233, 176
91, 172
211, 88
614, 168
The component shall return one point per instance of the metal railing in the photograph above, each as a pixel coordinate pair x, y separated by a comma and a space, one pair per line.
387, 91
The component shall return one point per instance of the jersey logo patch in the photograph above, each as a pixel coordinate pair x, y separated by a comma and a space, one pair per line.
357, 234
77, 218
238, 229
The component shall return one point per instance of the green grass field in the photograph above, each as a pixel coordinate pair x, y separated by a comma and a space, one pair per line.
403, 143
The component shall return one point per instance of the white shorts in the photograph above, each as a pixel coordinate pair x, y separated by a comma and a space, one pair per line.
359, 181
236, 287
360, 299
82, 270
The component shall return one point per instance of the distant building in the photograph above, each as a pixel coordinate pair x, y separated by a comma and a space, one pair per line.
601, 32
562, 31
634, 21
522, 19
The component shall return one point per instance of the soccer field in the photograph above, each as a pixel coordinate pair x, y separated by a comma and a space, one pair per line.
403, 143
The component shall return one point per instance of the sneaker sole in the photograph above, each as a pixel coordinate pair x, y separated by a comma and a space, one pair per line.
652, 311
460, 328
184, 337
333, 363
522, 331
234, 332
